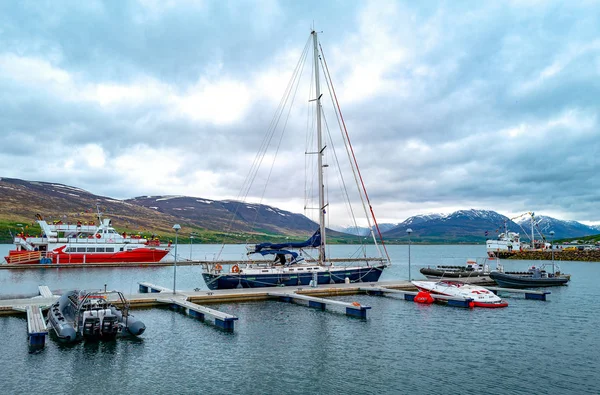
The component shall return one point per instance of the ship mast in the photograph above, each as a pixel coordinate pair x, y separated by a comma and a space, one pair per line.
320, 150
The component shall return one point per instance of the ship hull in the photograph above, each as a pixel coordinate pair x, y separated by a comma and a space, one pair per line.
333, 276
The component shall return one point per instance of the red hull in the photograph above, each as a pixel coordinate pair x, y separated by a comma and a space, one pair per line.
137, 255
491, 305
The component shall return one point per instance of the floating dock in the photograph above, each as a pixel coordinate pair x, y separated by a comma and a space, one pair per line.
410, 296
352, 309
36, 327
529, 293
182, 262
191, 303
221, 320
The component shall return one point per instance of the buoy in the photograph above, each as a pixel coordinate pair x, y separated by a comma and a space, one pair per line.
423, 297
471, 304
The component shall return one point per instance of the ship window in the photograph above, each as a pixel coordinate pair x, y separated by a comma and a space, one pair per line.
265, 271
110, 249
300, 269
121, 249
91, 249
99, 249
80, 249
67, 249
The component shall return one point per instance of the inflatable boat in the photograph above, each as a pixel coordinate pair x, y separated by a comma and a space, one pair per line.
92, 315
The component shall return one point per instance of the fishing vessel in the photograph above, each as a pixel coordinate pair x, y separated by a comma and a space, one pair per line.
308, 262
83, 243
91, 315
511, 241
481, 297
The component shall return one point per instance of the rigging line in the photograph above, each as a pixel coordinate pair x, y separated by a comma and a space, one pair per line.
283, 129
275, 121
253, 171
308, 143
354, 157
354, 168
354, 174
340, 174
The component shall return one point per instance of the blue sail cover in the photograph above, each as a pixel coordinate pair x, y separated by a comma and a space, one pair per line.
294, 254
314, 241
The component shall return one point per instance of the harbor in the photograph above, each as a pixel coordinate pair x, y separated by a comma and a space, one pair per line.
192, 303
278, 333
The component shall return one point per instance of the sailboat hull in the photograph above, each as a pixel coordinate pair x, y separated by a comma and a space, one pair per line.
333, 276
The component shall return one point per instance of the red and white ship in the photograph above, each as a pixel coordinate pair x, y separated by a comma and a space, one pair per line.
83, 243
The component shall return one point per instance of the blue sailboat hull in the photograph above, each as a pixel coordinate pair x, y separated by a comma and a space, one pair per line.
335, 276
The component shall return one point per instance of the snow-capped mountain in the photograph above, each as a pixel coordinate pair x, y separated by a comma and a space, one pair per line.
562, 229
362, 231
479, 225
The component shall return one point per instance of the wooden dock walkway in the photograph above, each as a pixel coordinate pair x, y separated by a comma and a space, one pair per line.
352, 309
529, 293
36, 327
222, 320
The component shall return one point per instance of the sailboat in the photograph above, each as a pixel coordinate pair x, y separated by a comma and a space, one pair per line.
309, 262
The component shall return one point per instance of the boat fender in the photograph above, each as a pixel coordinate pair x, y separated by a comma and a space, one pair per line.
235, 269
98, 235
423, 297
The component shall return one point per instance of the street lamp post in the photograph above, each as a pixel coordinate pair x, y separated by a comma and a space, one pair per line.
176, 227
552, 248
191, 237
409, 231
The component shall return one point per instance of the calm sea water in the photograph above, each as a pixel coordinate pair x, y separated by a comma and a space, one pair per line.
531, 347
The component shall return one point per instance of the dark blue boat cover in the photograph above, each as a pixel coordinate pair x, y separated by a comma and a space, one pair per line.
294, 254
314, 241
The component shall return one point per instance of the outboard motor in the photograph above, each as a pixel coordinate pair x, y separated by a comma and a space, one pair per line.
91, 326
110, 327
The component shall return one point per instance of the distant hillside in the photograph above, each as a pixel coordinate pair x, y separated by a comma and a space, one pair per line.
223, 215
229, 221
213, 221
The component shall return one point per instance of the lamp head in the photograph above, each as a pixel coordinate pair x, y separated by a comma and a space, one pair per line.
176, 227
409, 231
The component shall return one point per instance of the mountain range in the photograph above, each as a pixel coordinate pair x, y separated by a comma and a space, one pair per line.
472, 226
231, 221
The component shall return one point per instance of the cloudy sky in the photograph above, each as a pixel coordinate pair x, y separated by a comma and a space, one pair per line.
450, 105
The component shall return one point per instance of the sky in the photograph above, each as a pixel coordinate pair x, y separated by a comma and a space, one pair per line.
450, 105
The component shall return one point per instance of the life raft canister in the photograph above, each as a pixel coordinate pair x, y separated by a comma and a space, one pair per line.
424, 297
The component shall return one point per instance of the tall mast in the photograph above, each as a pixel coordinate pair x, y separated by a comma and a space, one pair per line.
320, 149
